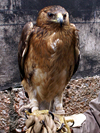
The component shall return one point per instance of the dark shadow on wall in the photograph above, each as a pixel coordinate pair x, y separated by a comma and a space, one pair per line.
89, 66
77, 8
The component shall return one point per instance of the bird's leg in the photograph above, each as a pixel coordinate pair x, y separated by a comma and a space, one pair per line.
58, 105
33, 105
32, 98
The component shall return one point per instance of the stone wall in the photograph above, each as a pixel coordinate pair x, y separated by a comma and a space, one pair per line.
15, 13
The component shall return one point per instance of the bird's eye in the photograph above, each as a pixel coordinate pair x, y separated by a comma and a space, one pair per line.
64, 16
50, 14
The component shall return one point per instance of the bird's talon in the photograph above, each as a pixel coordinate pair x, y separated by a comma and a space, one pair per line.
29, 110
43, 122
51, 114
62, 125
26, 115
72, 124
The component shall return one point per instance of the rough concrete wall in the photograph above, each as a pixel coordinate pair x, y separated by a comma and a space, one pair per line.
15, 13
12, 20
90, 49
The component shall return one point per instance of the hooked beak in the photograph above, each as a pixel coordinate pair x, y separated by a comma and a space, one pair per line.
60, 19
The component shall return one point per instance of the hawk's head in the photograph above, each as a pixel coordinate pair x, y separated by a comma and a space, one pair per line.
53, 15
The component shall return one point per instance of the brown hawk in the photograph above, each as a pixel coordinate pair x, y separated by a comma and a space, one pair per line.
48, 56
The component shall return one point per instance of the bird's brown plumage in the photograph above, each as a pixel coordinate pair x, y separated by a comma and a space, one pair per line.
48, 54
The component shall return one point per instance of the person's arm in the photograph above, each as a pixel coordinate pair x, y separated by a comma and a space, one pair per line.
92, 122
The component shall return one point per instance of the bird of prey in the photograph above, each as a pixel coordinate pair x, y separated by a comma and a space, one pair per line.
48, 56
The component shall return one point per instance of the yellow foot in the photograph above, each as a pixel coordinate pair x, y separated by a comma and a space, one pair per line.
26, 107
62, 123
59, 120
38, 112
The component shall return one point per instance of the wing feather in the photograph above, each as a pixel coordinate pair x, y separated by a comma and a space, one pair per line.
76, 51
23, 46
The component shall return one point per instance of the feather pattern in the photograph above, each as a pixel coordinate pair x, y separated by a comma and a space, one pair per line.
48, 55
